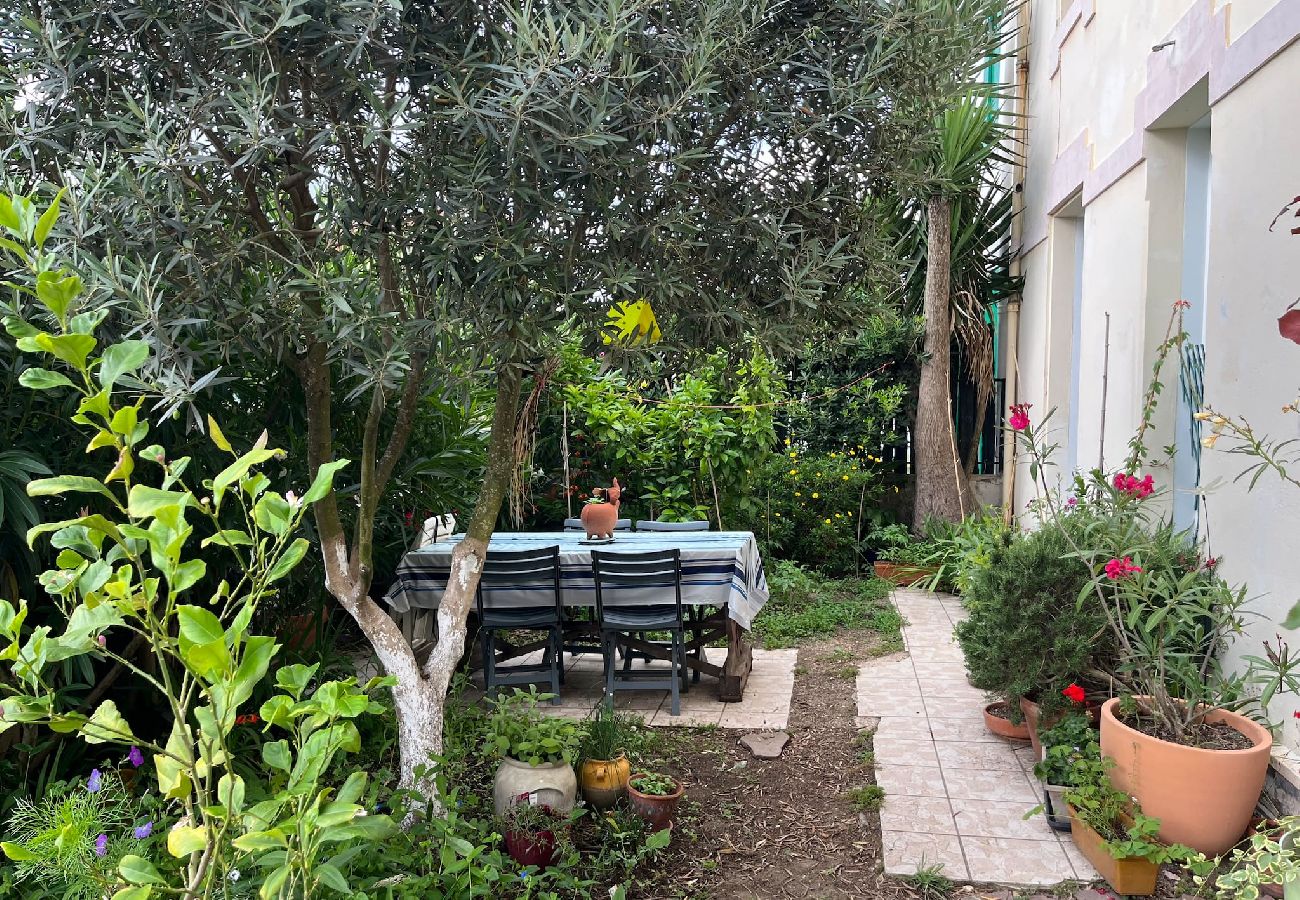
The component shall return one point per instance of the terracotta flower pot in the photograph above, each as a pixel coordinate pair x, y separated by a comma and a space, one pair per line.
303, 632
1033, 715
604, 781
1133, 875
1004, 727
659, 811
902, 574
1203, 798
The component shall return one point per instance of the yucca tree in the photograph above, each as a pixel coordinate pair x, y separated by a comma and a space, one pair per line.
956, 232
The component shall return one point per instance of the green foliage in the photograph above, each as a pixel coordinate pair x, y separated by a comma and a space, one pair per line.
126, 563
814, 507
519, 730
867, 798
1063, 743
609, 732
671, 443
53, 841
930, 882
805, 605
1031, 632
958, 550
1269, 857
655, 784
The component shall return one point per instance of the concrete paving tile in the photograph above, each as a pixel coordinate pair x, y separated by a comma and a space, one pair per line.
906, 851
1000, 819
889, 705
901, 751
926, 815
978, 784
640, 701
1010, 861
962, 729
688, 718
910, 781
987, 757
739, 718
1083, 870
914, 727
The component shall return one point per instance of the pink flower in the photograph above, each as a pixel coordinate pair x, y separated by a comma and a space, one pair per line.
1182, 304
1129, 484
1121, 568
1019, 420
1073, 501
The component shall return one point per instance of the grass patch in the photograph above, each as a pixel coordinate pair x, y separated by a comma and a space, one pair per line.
930, 882
807, 605
868, 798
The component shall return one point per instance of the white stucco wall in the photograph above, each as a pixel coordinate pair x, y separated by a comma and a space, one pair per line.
1107, 140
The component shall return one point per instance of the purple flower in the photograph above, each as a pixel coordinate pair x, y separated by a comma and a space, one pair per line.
143, 831
101, 845
96, 781
136, 757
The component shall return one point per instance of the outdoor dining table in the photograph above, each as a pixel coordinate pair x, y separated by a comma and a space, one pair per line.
722, 573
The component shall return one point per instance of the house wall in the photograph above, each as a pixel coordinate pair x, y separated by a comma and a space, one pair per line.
1108, 130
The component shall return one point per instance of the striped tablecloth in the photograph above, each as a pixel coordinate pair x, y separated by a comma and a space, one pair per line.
718, 568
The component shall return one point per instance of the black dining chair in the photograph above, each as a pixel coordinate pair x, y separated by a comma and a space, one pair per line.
617, 575
576, 525
533, 571
694, 613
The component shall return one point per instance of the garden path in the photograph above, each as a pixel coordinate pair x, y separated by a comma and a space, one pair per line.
954, 793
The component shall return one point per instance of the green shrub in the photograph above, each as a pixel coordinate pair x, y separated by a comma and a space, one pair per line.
1029, 633
806, 605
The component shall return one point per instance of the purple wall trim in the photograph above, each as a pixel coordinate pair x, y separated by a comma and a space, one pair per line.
1201, 49
1277, 30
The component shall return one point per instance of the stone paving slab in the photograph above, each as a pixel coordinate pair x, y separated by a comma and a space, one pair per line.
954, 793
766, 705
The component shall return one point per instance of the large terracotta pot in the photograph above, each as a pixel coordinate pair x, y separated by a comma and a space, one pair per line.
604, 781
550, 784
1203, 798
902, 574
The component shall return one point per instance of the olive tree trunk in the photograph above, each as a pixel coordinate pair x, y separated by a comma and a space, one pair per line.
942, 489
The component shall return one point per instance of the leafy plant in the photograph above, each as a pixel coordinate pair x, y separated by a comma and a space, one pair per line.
655, 784
804, 605
930, 882
1268, 858
517, 729
1070, 738
129, 566
1126, 831
867, 798
608, 733
76, 835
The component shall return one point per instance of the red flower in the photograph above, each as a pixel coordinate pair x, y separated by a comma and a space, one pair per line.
1019, 420
1296, 713
1074, 693
249, 719
1182, 304
1121, 568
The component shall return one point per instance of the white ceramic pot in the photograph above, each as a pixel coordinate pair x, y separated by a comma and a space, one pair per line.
550, 784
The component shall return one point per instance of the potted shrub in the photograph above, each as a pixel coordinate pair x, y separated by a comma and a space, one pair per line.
904, 565
1180, 746
1026, 633
655, 798
604, 771
1267, 865
535, 833
1117, 838
1069, 740
536, 752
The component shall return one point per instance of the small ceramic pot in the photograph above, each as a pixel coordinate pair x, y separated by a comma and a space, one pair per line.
604, 781
599, 519
532, 849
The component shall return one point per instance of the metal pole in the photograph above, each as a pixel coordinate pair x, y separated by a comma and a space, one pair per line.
1105, 379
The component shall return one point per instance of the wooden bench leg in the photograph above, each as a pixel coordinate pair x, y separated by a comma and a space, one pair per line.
740, 660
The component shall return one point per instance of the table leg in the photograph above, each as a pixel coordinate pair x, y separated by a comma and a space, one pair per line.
740, 660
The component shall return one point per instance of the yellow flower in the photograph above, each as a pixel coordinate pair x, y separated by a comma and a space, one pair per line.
797, 494
819, 474
845, 477
794, 471
787, 442
895, 489
839, 516
645, 384
793, 454
850, 514
827, 521
816, 496
1209, 441
1201, 416
778, 515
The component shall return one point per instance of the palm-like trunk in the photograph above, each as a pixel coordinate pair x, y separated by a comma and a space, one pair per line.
942, 490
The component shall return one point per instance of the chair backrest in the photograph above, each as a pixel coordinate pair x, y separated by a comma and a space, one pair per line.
525, 569
652, 525
650, 569
576, 525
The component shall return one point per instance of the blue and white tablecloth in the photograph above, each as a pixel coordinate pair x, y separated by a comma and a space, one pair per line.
718, 568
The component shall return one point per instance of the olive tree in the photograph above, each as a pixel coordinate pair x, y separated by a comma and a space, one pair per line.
366, 191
